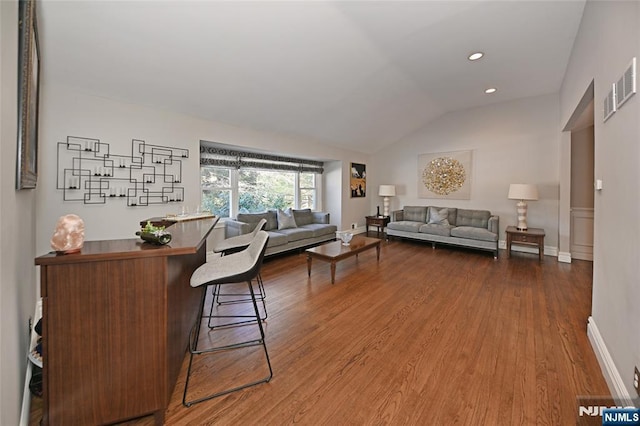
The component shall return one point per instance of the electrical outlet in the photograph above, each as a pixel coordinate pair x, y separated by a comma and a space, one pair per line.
636, 380
354, 225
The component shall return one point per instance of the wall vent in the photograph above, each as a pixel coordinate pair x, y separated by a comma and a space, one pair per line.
610, 103
626, 85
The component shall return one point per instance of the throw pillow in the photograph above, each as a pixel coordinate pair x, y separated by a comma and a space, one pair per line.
438, 216
286, 219
303, 216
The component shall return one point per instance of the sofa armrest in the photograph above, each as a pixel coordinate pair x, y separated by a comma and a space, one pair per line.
494, 224
320, 217
397, 215
233, 228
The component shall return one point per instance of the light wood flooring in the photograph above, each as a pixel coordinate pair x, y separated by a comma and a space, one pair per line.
424, 337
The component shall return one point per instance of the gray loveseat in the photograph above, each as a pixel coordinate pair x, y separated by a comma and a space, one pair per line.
462, 227
310, 228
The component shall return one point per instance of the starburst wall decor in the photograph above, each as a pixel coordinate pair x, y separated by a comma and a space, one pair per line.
445, 175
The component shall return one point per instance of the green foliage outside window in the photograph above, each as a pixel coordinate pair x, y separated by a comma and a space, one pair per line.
265, 190
258, 190
217, 202
216, 190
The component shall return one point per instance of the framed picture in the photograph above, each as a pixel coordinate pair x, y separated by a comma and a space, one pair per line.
29, 88
358, 181
445, 175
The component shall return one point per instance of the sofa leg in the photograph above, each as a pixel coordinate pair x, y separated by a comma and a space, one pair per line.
433, 246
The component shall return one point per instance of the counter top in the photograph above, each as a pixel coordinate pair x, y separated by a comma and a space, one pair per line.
186, 238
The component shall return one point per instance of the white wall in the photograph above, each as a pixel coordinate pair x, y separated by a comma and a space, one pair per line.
512, 142
17, 223
70, 112
608, 38
333, 186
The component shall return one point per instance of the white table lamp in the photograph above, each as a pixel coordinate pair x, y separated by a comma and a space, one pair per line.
386, 191
522, 192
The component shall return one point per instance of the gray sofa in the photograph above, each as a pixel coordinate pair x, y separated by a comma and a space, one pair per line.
310, 228
467, 228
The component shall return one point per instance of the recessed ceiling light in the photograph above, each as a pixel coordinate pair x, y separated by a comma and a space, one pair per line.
475, 56
491, 90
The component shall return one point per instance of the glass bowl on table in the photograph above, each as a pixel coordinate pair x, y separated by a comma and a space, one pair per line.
346, 238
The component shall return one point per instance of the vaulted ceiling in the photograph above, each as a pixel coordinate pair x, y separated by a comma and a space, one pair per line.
356, 74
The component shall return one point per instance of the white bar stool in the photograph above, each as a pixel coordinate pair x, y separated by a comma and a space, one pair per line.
238, 267
224, 248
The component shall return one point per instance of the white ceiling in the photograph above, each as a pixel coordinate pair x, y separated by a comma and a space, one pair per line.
356, 74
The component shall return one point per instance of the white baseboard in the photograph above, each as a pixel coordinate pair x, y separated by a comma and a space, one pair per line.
609, 369
564, 257
358, 230
26, 392
26, 397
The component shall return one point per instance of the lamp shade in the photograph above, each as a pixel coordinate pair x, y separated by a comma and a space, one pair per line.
523, 191
387, 191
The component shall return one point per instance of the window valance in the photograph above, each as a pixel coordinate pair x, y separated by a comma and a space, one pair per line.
218, 156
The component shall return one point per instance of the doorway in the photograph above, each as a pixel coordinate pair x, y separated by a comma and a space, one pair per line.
581, 126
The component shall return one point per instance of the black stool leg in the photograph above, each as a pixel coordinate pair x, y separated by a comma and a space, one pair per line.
264, 344
193, 345
217, 292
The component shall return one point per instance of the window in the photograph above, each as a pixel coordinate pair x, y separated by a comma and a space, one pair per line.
261, 190
248, 182
307, 187
256, 190
216, 190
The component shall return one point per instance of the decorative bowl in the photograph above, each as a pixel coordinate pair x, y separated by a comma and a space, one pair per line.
346, 238
158, 238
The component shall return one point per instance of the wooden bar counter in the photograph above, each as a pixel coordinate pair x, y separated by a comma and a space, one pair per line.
116, 323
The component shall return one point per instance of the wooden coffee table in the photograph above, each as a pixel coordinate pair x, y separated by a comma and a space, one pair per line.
335, 251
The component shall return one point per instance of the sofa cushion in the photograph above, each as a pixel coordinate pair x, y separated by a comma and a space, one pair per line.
320, 229
474, 233
415, 214
475, 218
270, 216
438, 216
452, 212
303, 216
277, 239
296, 234
405, 225
272, 220
286, 219
435, 229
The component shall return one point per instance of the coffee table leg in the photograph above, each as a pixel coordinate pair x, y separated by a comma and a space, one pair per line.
378, 252
308, 265
333, 271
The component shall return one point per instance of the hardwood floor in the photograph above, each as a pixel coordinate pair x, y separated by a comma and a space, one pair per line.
437, 337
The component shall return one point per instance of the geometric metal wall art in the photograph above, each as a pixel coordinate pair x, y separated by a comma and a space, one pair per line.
87, 171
